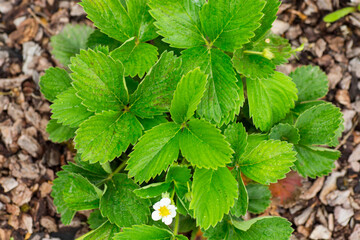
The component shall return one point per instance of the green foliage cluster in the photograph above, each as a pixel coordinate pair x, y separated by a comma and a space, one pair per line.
182, 98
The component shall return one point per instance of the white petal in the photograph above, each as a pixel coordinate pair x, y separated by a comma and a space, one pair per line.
172, 212
171, 207
157, 206
167, 220
156, 216
165, 202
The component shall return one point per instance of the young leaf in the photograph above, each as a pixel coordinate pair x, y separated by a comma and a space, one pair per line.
318, 125
334, 16
242, 202
222, 93
105, 136
68, 110
120, 204
104, 232
203, 145
142, 232
155, 151
137, 58
59, 133
259, 197
53, 82
69, 42
268, 162
311, 82
153, 95
214, 192
152, 190
237, 137
179, 174
97, 38
178, 22
285, 132
315, 161
99, 81
270, 99
187, 96
231, 23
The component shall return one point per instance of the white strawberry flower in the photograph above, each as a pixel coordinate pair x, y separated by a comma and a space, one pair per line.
164, 211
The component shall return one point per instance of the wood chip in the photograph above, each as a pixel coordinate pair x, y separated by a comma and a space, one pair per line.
315, 188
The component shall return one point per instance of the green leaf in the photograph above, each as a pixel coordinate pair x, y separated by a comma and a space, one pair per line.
229, 24
179, 174
214, 192
270, 99
222, 93
268, 162
153, 190
188, 95
69, 42
178, 22
97, 38
155, 151
68, 110
105, 232
143, 232
154, 94
53, 82
106, 136
334, 16
270, 10
264, 228
59, 133
203, 145
259, 197
315, 161
149, 123
338, 133
137, 58
285, 132
237, 137
120, 204
318, 125
99, 81
253, 141
95, 219
242, 202
311, 82
57, 193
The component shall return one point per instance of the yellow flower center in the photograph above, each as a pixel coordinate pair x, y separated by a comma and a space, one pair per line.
164, 211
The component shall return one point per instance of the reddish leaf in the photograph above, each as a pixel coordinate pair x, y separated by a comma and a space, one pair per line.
287, 189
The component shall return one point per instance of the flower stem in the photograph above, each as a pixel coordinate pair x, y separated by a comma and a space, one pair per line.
176, 225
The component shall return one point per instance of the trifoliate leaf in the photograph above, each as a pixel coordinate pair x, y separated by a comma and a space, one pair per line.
99, 81
137, 57
143, 232
154, 94
95, 219
155, 151
242, 202
270, 10
237, 137
53, 82
188, 95
259, 197
153, 190
97, 38
221, 95
268, 162
69, 42
178, 22
311, 82
270, 99
318, 125
315, 161
264, 228
57, 193
180, 174
203, 145
220, 187
59, 133
106, 136
259, 60
68, 110
120, 204
285, 132
230, 23
105, 232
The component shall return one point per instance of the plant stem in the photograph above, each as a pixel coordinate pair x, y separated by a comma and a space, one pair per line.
176, 225
253, 52
117, 170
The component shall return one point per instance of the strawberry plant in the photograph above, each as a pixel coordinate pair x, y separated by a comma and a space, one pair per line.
169, 104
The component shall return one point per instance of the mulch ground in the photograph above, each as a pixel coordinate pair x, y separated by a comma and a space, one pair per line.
326, 208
